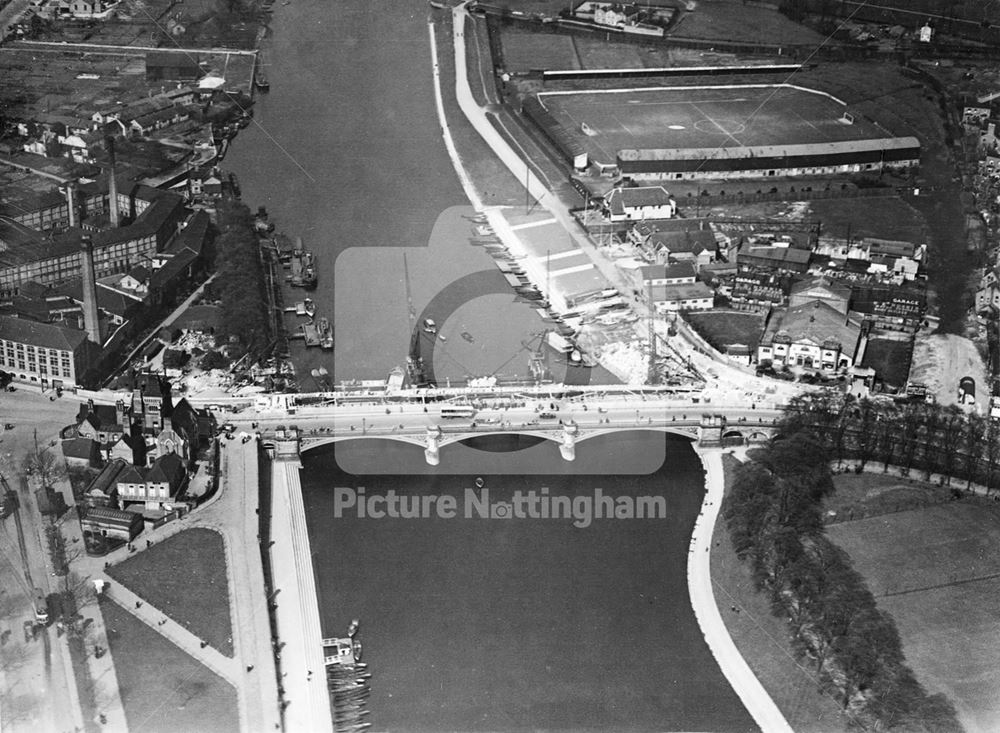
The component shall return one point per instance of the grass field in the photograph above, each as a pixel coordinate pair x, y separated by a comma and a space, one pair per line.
185, 577
937, 571
763, 639
164, 690
692, 118
883, 217
723, 328
736, 21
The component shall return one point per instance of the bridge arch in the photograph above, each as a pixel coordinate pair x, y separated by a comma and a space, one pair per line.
553, 435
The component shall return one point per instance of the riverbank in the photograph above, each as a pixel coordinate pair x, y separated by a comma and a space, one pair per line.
762, 638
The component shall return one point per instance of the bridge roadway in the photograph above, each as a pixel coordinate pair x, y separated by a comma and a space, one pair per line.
411, 422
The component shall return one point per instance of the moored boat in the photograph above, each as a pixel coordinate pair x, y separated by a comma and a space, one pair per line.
325, 331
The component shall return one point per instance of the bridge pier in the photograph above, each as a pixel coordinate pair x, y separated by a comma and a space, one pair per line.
432, 454
568, 445
286, 446
711, 429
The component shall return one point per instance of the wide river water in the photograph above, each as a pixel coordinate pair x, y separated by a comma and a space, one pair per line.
468, 624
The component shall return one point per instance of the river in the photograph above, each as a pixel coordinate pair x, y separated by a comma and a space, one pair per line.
468, 624
473, 623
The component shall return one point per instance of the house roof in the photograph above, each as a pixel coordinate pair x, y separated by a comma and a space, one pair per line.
167, 469
679, 269
101, 417
821, 286
46, 335
692, 240
816, 322
107, 479
681, 291
621, 198
79, 448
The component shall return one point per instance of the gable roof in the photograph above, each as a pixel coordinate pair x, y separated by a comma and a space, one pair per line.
79, 448
819, 323
46, 335
621, 198
167, 469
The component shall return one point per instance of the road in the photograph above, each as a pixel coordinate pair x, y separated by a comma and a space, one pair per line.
414, 419
37, 686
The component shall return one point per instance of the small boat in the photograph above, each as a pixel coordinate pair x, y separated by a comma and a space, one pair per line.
437, 5
429, 326
442, 337
325, 331
468, 336
305, 308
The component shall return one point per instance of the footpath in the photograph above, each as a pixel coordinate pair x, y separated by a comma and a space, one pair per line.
742, 679
233, 513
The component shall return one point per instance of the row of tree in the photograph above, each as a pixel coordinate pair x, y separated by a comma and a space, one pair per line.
915, 436
239, 281
774, 515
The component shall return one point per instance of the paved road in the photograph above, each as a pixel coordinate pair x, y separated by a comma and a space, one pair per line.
37, 676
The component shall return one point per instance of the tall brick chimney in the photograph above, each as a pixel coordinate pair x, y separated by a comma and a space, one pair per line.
112, 183
71, 202
91, 318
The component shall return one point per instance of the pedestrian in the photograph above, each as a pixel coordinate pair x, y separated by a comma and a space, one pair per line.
204, 644
138, 604
149, 543
249, 668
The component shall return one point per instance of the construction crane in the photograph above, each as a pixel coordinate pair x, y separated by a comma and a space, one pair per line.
414, 362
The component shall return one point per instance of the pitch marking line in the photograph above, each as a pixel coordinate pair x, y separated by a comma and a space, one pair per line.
721, 128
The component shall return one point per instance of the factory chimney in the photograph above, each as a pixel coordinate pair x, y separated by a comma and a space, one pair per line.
71, 201
112, 184
91, 319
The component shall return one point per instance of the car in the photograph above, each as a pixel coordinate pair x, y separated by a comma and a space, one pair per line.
8, 426
547, 416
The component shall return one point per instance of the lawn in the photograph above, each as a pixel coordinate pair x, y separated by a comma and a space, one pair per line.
885, 217
724, 328
937, 571
871, 494
164, 690
185, 577
524, 50
742, 23
890, 358
763, 639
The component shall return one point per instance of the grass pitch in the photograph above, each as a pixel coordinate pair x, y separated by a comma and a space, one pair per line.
702, 117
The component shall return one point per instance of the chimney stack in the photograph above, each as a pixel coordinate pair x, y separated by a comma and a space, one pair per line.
71, 201
112, 183
91, 319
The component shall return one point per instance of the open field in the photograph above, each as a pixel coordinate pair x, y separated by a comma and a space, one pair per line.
937, 571
703, 117
763, 639
164, 690
872, 494
736, 21
723, 328
185, 577
885, 217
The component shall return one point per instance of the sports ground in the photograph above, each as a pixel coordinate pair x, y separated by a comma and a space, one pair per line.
604, 122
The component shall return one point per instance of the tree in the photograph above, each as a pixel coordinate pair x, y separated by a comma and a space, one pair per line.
214, 360
175, 359
43, 464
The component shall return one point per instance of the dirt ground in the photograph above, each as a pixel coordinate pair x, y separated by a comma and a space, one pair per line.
940, 360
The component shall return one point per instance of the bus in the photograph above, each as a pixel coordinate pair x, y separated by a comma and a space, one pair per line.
458, 412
